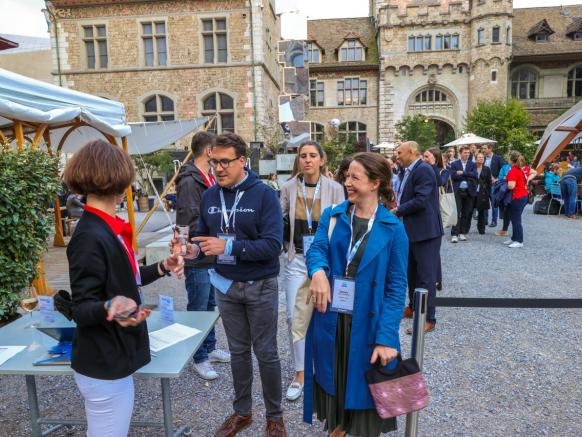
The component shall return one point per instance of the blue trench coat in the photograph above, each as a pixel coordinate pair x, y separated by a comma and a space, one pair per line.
381, 282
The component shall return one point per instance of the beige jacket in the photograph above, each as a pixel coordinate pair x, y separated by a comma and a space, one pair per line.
330, 193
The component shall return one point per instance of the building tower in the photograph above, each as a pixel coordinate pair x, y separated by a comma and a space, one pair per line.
491, 31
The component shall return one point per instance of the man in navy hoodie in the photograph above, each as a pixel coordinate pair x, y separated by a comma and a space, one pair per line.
242, 225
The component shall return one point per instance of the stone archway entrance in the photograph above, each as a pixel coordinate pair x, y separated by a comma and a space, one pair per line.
444, 132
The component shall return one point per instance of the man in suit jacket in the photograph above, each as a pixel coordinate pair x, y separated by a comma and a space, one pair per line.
495, 163
464, 174
418, 205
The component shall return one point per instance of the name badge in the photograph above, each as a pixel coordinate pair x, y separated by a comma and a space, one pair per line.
307, 242
226, 259
344, 291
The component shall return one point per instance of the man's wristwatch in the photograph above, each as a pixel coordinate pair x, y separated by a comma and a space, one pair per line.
163, 269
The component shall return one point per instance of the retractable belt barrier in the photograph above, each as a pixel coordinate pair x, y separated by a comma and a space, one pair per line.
420, 305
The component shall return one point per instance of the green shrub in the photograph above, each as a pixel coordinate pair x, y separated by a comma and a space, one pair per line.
28, 183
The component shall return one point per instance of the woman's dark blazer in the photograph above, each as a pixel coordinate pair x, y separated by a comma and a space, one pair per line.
482, 200
99, 270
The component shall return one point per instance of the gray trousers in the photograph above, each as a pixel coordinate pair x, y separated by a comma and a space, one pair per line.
249, 314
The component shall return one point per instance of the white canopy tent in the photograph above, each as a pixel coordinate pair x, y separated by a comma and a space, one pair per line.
469, 138
565, 129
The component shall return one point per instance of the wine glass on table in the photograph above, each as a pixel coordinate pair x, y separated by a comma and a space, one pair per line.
29, 304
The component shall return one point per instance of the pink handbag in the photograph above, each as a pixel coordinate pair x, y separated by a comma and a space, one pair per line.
399, 391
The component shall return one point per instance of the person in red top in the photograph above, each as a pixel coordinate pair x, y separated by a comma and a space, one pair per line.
517, 181
111, 337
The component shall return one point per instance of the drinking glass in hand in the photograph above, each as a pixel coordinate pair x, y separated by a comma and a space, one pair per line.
183, 234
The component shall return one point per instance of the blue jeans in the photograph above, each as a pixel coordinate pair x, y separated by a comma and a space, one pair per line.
569, 193
494, 211
516, 208
201, 298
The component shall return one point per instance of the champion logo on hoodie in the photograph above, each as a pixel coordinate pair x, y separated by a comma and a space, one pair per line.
217, 210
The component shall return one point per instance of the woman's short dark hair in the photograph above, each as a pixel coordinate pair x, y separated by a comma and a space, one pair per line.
377, 170
438, 156
99, 168
229, 139
200, 142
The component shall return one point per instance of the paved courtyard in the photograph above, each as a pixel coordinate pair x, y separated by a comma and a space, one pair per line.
491, 372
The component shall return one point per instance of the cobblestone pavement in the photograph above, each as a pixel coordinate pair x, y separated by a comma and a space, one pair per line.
491, 372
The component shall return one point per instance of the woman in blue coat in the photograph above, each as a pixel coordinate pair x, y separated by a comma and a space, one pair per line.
359, 290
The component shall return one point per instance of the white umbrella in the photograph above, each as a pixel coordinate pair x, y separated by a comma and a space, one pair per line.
469, 138
385, 146
562, 131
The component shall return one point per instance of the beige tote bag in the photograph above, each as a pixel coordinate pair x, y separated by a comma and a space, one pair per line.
303, 311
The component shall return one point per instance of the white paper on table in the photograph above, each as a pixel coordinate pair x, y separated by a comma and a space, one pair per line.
7, 352
170, 335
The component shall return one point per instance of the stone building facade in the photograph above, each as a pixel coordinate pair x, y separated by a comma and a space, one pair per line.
439, 58
546, 69
174, 59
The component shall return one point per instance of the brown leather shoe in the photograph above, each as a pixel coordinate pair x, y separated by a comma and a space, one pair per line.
233, 425
408, 313
501, 233
428, 327
275, 428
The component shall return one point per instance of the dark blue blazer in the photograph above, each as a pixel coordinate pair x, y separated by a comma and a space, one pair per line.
419, 204
497, 162
469, 175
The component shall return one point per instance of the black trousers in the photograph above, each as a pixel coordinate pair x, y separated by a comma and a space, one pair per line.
481, 219
465, 204
423, 271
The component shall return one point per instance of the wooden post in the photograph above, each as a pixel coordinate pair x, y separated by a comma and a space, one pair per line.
59, 240
39, 134
40, 284
129, 201
19, 135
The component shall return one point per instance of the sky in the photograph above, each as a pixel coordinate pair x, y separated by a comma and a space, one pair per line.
24, 17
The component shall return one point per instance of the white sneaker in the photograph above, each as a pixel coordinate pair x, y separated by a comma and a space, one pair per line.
219, 356
508, 242
455, 239
515, 244
205, 370
294, 391
462, 237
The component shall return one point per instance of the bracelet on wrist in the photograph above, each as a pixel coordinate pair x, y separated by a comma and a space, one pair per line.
163, 269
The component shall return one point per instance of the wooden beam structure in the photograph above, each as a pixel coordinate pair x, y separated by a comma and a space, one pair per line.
129, 201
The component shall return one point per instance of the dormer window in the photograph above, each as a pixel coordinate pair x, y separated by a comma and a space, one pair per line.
574, 29
351, 50
312, 53
578, 36
540, 32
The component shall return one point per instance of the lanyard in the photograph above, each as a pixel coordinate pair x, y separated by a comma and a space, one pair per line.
309, 212
208, 179
136, 272
227, 217
353, 248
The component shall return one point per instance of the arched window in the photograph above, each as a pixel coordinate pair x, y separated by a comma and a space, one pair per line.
158, 108
575, 82
352, 132
221, 105
430, 96
523, 84
317, 132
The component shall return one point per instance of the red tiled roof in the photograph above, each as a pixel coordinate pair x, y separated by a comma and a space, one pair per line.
6, 44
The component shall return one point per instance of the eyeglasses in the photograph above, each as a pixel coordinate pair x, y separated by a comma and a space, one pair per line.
224, 163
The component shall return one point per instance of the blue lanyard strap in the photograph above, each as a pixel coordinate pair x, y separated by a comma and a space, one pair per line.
309, 212
353, 248
225, 216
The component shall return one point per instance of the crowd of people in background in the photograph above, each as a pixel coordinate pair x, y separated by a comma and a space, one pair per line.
355, 245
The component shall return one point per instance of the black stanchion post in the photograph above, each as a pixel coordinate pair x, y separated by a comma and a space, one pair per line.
417, 348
